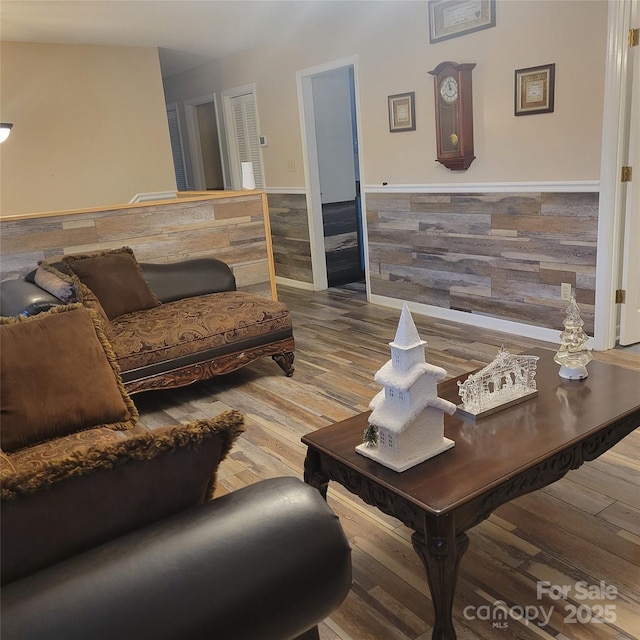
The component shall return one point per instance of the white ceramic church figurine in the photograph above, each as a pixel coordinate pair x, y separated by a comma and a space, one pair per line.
406, 425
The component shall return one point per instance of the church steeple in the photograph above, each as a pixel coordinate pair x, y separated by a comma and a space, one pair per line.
407, 349
406, 334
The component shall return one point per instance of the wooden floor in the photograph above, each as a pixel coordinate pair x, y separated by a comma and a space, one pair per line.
582, 531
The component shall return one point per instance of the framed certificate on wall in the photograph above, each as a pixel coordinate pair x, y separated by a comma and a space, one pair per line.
534, 90
402, 112
453, 18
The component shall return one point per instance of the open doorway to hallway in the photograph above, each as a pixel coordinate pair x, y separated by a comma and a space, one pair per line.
210, 146
337, 148
333, 181
207, 168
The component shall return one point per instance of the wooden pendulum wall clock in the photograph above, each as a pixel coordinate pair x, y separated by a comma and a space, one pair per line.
454, 114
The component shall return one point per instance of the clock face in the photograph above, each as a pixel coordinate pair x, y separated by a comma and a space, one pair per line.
449, 90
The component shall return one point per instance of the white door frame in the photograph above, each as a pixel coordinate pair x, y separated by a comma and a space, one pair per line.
193, 136
630, 267
610, 222
312, 169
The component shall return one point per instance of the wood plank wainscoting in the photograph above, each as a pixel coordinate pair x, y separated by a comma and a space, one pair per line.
502, 254
581, 530
292, 245
290, 235
230, 225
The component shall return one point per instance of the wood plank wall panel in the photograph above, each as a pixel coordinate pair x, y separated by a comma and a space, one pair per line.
290, 236
498, 254
230, 228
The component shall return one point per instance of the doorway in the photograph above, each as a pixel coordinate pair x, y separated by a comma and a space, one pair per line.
328, 100
203, 134
210, 146
177, 151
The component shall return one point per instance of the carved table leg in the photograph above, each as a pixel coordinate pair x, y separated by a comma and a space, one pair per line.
441, 555
313, 474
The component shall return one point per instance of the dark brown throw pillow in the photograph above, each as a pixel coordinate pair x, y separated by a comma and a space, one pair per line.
31, 470
89, 300
58, 375
115, 277
68, 495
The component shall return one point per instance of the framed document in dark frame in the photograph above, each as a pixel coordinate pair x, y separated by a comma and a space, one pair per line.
534, 90
402, 112
453, 18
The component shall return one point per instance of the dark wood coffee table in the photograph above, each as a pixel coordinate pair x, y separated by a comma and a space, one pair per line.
502, 456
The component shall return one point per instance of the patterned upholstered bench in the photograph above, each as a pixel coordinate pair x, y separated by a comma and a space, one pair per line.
169, 324
200, 337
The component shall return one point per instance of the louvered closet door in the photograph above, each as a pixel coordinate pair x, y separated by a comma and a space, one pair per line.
245, 124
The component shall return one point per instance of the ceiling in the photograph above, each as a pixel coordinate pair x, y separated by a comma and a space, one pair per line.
188, 33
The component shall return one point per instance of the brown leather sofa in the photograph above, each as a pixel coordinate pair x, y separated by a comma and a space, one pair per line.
199, 325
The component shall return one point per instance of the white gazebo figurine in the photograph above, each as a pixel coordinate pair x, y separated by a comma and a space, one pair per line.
406, 425
504, 382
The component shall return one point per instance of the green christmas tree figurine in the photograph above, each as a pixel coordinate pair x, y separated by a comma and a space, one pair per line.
573, 355
370, 436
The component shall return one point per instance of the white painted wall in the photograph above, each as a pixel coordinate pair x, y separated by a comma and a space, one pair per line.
90, 127
391, 41
125, 142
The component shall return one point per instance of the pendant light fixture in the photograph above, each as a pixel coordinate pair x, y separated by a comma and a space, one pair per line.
5, 130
